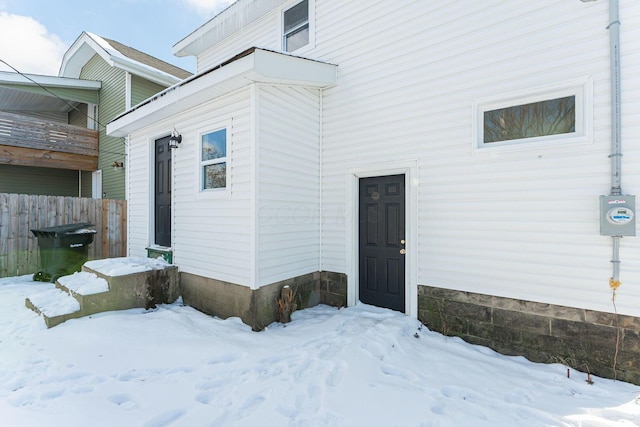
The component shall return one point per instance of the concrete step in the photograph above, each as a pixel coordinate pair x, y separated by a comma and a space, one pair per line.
136, 282
55, 306
91, 291
107, 285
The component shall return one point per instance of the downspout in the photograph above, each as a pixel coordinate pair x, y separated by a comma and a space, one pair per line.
616, 124
616, 155
320, 181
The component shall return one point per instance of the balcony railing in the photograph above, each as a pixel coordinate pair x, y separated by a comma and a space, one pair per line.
29, 141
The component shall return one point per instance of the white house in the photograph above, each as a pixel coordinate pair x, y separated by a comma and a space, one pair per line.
440, 158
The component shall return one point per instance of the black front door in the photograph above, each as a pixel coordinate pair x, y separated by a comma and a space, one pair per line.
163, 192
382, 241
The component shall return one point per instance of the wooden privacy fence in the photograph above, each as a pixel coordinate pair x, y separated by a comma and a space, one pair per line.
20, 213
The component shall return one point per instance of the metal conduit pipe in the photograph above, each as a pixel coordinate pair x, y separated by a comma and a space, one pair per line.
616, 124
616, 119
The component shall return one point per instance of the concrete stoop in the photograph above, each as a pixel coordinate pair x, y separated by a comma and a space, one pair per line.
96, 290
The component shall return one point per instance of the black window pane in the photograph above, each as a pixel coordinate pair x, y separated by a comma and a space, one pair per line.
296, 15
543, 118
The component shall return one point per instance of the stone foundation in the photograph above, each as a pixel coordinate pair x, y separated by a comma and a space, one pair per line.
258, 308
582, 339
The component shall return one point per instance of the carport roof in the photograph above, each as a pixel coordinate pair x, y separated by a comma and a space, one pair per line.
32, 92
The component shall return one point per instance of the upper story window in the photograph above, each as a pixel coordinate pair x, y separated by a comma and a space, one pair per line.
213, 159
296, 26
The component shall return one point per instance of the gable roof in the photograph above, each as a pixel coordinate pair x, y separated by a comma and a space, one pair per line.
120, 56
152, 61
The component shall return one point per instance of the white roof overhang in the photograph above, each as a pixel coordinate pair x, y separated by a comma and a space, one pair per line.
49, 81
251, 66
31, 92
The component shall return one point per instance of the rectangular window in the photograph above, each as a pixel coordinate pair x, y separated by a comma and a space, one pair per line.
543, 118
213, 159
296, 26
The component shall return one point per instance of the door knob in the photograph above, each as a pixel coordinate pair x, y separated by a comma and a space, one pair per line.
402, 242
403, 251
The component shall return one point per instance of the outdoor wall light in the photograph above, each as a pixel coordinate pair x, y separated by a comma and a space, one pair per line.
174, 139
117, 165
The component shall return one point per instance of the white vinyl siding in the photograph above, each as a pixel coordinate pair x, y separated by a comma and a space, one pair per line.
521, 225
211, 236
139, 192
289, 183
263, 33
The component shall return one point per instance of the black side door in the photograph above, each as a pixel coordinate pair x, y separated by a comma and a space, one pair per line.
382, 241
162, 192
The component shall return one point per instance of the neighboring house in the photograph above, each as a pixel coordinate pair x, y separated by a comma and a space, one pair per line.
443, 159
99, 79
45, 146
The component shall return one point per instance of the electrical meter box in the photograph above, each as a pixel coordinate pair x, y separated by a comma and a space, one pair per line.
617, 215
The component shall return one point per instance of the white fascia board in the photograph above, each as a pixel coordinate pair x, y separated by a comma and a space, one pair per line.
258, 66
275, 67
7, 77
181, 97
144, 71
87, 45
79, 54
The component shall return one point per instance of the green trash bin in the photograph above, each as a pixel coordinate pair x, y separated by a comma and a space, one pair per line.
63, 249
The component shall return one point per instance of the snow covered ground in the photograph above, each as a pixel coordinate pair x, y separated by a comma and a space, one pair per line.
360, 366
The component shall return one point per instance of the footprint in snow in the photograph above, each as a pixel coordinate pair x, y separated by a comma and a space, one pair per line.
165, 419
251, 405
51, 394
334, 377
396, 371
124, 401
224, 358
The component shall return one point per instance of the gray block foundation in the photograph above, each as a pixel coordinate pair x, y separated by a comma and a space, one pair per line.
586, 340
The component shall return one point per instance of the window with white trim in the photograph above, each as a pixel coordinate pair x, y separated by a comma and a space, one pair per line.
548, 117
213, 160
557, 113
296, 27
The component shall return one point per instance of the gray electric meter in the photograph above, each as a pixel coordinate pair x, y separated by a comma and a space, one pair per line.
617, 215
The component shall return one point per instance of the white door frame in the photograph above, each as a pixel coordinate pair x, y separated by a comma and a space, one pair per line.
96, 184
410, 170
